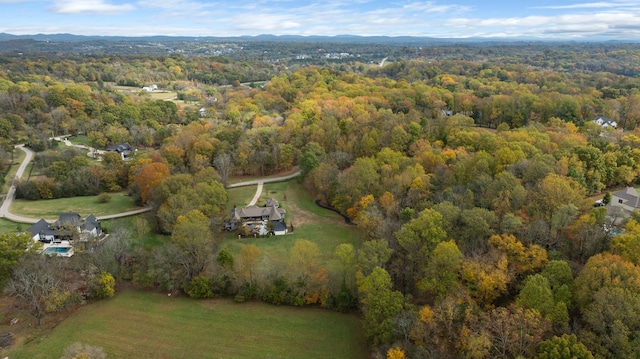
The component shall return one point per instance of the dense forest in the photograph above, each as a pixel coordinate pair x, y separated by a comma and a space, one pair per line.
468, 180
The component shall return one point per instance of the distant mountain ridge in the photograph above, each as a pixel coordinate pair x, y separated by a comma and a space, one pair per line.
389, 40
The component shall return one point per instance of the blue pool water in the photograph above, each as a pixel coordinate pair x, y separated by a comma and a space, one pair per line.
52, 250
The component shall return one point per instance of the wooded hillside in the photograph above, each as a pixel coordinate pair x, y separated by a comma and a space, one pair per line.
468, 182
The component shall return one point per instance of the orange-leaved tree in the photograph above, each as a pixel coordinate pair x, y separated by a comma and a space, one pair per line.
151, 175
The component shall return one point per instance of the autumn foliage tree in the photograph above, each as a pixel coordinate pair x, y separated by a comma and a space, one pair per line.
608, 297
380, 303
151, 175
194, 243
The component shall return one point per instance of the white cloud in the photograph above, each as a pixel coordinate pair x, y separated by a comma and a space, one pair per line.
591, 5
434, 18
569, 25
89, 6
173, 5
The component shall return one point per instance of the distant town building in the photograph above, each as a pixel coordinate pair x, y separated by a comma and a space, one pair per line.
150, 88
124, 149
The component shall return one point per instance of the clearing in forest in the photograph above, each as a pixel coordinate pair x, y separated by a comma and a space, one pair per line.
139, 324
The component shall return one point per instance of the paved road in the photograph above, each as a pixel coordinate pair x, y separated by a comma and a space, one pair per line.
258, 193
4, 209
261, 182
93, 153
6, 205
264, 180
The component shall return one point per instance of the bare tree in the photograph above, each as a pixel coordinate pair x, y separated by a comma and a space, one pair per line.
224, 165
108, 255
38, 287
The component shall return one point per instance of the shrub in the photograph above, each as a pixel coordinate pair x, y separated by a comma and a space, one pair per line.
200, 287
345, 301
278, 292
223, 285
105, 286
104, 198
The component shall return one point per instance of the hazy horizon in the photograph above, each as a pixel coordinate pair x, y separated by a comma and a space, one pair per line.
546, 20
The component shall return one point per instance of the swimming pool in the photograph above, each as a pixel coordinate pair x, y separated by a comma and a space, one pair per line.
60, 251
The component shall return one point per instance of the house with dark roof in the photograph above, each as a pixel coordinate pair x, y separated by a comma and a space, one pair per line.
65, 228
627, 198
605, 122
41, 231
257, 218
124, 149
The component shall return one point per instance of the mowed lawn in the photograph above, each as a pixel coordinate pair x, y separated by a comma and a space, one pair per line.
86, 205
138, 324
6, 226
318, 225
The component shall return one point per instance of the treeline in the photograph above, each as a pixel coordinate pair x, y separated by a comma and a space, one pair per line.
463, 226
134, 70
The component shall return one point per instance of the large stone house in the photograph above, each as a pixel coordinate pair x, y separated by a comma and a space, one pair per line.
258, 218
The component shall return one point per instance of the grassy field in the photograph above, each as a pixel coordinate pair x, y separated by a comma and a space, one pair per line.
79, 140
51, 209
240, 196
323, 227
6, 226
155, 95
137, 324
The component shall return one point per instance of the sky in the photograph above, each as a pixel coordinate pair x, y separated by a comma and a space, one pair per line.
529, 19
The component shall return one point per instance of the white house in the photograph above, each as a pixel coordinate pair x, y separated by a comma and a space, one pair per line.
42, 232
64, 227
627, 198
150, 88
605, 122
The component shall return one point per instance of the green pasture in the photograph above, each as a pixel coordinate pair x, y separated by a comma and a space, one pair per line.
298, 194
7, 226
240, 196
275, 249
155, 95
80, 140
138, 324
86, 205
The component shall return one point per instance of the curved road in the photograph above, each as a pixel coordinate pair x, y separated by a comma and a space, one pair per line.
265, 180
4, 209
6, 205
261, 182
